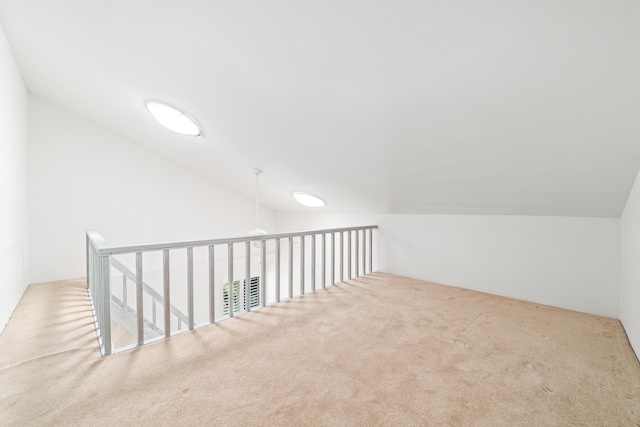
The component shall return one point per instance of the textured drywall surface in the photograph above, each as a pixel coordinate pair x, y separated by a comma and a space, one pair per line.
565, 262
85, 177
439, 107
14, 231
630, 268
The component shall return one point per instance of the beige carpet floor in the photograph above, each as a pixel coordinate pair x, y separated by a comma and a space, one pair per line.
379, 350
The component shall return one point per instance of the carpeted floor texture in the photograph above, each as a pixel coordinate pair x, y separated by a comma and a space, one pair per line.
379, 350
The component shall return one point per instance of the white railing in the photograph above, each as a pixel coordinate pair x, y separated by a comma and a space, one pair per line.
131, 287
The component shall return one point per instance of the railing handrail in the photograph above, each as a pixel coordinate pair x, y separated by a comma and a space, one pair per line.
97, 240
103, 249
101, 259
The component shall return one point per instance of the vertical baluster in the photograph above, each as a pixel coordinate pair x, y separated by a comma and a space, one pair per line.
313, 263
230, 273
277, 270
97, 264
97, 269
87, 259
349, 255
167, 293
357, 254
100, 295
263, 273
324, 260
99, 304
290, 267
94, 284
247, 276
105, 327
97, 297
100, 292
94, 271
139, 301
333, 258
371, 250
364, 252
94, 295
189, 287
90, 271
212, 283
341, 256
302, 244
94, 274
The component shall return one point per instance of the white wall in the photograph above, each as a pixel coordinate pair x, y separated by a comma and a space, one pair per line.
630, 267
14, 237
560, 261
84, 177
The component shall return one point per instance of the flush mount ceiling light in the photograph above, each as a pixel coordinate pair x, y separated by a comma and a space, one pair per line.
308, 199
173, 119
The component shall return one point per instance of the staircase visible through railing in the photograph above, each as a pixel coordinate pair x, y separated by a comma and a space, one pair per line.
127, 316
140, 294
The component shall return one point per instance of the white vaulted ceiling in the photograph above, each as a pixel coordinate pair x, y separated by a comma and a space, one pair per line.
461, 107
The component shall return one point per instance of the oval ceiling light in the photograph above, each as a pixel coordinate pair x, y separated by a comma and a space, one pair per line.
173, 119
308, 199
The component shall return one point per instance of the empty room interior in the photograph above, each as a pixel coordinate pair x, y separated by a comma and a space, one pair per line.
320, 213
